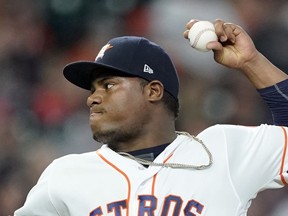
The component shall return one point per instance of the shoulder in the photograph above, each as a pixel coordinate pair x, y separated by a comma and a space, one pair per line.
241, 133
62, 169
71, 159
239, 128
70, 162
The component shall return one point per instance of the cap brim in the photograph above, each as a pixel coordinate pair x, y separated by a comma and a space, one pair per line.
80, 73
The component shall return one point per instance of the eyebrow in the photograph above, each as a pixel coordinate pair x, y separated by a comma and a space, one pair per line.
101, 80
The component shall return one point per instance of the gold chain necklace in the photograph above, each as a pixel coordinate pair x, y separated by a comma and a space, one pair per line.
175, 165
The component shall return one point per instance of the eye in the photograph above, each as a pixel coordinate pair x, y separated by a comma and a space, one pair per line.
109, 85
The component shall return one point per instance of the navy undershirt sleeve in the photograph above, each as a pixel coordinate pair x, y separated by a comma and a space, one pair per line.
276, 97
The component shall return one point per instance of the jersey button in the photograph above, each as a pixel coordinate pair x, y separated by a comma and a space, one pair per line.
141, 168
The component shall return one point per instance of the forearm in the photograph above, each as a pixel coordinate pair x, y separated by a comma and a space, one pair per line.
262, 73
272, 85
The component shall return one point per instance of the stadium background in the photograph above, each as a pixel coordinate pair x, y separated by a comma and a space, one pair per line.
43, 117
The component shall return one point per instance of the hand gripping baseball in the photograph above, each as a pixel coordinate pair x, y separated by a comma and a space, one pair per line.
234, 47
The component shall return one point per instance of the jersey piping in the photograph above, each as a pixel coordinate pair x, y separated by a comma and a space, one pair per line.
283, 156
125, 176
155, 176
280, 92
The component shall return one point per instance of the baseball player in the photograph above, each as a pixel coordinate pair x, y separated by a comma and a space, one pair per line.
145, 167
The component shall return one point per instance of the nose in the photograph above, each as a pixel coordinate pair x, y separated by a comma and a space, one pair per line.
94, 99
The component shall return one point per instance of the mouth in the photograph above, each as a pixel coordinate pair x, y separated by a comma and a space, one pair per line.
95, 117
94, 113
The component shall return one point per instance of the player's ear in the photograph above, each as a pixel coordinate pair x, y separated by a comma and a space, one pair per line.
154, 90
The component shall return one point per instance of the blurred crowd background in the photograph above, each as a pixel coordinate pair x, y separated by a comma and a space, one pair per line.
43, 117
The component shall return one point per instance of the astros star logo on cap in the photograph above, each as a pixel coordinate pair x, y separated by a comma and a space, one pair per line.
103, 50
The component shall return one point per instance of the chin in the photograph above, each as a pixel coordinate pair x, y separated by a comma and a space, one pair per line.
104, 137
114, 138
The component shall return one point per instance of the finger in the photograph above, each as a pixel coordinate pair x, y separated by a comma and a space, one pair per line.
191, 23
229, 29
188, 27
214, 45
185, 34
219, 30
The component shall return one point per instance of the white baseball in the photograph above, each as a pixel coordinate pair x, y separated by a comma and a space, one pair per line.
201, 33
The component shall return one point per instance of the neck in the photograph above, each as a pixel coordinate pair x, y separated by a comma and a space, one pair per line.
149, 140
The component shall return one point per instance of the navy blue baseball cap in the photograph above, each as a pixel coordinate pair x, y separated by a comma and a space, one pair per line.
128, 55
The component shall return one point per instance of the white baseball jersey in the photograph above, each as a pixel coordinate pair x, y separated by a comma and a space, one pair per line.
246, 160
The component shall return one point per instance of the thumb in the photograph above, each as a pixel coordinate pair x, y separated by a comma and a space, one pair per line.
214, 45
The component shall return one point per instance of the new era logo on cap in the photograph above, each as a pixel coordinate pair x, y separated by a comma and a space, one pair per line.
147, 69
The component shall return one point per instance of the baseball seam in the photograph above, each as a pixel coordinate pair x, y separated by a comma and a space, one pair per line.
199, 35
